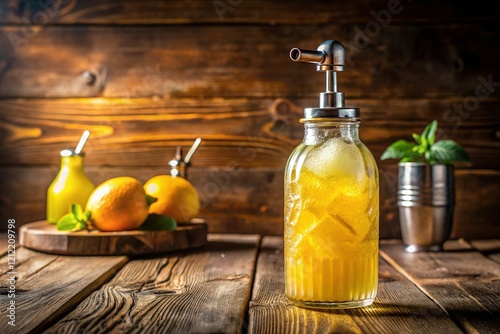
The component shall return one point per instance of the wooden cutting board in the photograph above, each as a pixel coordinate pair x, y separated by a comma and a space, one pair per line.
44, 237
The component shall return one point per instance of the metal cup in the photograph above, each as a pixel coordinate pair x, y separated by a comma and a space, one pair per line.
426, 199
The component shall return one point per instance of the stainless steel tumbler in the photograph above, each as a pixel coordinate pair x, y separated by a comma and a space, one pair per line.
426, 199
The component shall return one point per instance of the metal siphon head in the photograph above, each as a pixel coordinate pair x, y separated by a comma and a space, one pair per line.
330, 58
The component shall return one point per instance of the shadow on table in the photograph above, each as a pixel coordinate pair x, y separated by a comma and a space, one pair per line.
459, 314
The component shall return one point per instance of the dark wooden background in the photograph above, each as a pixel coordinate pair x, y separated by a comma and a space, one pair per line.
146, 76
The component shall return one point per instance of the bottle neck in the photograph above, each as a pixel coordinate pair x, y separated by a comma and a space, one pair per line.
73, 162
317, 131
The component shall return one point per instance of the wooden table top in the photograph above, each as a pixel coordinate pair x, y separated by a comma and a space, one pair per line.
235, 284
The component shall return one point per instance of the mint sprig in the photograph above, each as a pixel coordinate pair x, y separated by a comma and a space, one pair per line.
401, 149
447, 151
75, 220
426, 149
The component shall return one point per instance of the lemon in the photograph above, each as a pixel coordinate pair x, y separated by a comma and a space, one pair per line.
176, 196
118, 204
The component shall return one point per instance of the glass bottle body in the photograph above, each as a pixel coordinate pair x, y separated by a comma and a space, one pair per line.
331, 218
71, 185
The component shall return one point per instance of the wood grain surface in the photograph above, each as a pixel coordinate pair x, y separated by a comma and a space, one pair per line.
48, 286
460, 280
243, 133
259, 12
44, 237
399, 306
205, 291
3, 243
243, 61
489, 248
209, 290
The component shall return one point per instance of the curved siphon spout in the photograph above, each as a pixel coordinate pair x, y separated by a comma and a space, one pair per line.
329, 56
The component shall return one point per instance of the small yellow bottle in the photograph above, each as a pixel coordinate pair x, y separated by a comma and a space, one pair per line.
71, 185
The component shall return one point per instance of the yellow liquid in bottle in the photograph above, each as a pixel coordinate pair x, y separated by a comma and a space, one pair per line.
331, 225
71, 185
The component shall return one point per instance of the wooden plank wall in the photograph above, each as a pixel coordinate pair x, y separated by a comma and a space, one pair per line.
146, 76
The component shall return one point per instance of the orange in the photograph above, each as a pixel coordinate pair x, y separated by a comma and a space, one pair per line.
118, 204
176, 196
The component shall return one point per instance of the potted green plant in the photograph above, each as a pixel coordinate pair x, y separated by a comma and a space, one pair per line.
426, 188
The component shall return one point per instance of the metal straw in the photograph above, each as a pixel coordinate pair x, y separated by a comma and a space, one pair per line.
82, 141
192, 150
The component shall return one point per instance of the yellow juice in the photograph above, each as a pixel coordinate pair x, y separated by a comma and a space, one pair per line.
71, 186
331, 225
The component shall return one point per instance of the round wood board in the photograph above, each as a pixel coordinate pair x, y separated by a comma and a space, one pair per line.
44, 237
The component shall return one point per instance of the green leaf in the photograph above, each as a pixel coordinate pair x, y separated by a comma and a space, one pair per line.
81, 225
68, 222
150, 199
399, 150
156, 222
447, 151
77, 212
417, 138
431, 133
426, 148
428, 134
423, 138
75, 220
427, 155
